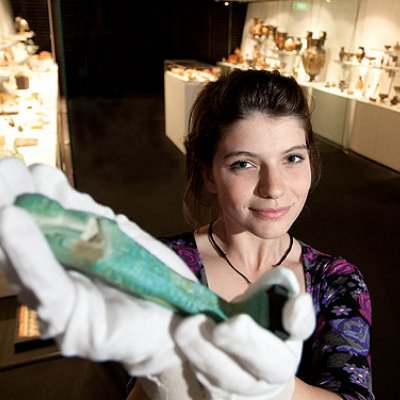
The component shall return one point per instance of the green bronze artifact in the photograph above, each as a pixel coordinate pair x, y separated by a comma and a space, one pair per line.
95, 246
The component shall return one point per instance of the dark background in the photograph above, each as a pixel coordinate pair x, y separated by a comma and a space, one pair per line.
112, 48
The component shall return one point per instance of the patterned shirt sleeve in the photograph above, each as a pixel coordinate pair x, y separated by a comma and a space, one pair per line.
185, 246
341, 344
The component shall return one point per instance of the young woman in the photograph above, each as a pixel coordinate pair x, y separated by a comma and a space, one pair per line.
252, 160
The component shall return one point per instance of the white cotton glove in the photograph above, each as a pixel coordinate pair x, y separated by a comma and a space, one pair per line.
87, 318
239, 360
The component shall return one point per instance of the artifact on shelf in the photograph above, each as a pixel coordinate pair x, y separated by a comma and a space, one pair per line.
290, 44
343, 85
22, 81
280, 39
24, 34
42, 61
21, 25
189, 70
360, 53
270, 30
236, 57
394, 100
344, 55
374, 96
25, 142
258, 32
314, 56
360, 83
371, 73
8, 149
384, 58
257, 27
8, 104
383, 96
272, 48
16, 49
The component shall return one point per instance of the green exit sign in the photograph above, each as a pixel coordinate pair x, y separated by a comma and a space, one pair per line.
300, 6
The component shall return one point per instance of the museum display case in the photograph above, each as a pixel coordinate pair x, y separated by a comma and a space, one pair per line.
183, 79
296, 37
371, 75
30, 130
337, 52
29, 94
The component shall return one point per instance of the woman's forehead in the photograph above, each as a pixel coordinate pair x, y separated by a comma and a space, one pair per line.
260, 127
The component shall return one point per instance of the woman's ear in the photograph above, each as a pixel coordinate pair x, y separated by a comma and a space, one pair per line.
208, 179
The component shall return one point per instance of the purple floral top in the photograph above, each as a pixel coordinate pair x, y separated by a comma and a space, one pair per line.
337, 356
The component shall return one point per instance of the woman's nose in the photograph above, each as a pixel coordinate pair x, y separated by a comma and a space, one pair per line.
271, 184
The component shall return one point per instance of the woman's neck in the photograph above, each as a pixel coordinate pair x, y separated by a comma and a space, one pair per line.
253, 254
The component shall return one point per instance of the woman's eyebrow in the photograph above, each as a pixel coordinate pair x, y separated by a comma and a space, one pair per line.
294, 148
242, 153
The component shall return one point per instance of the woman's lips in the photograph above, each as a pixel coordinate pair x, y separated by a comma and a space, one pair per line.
271, 213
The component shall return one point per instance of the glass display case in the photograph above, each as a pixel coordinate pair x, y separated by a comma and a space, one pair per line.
28, 100
30, 122
370, 74
296, 37
338, 51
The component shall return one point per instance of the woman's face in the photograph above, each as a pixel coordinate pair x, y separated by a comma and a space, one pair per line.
261, 175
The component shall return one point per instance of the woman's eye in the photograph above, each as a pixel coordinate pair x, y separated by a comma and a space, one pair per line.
295, 159
241, 165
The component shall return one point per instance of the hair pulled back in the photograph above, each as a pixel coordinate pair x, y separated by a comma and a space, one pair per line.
232, 97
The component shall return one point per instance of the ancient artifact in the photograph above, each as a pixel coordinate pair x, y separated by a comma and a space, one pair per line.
360, 54
314, 55
257, 27
342, 54
280, 39
394, 100
359, 83
95, 246
383, 96
290, 44
21, 25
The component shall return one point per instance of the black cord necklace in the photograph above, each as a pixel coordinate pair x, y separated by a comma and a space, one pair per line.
222, 254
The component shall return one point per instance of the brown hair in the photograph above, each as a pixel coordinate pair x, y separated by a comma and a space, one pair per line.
235, 96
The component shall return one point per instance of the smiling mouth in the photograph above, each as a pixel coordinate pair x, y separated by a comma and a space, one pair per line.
271, 213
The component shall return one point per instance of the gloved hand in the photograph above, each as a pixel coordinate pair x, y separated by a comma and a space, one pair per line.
86, 318
239, 360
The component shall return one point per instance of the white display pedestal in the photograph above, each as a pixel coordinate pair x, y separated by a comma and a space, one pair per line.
179, 96
369, 129
376, 134
329, 116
